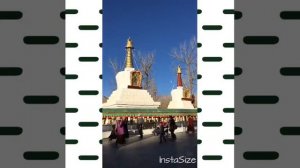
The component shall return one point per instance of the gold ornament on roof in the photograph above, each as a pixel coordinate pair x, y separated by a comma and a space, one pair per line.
178, 69
129, 43
129, 47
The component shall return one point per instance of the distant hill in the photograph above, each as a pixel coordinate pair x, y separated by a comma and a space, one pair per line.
104, 99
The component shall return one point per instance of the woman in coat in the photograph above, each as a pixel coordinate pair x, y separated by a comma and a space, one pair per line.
120, 131
125, 126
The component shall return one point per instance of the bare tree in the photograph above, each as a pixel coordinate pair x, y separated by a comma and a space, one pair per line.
186, 55
153, 89
145, 62
164, 101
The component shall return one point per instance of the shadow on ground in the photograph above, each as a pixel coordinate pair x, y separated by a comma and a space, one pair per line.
147, 152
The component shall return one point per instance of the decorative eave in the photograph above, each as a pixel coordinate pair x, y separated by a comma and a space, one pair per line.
110, 112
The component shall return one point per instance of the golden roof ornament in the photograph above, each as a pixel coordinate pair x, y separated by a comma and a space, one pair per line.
129, 47
129, 43
178, 69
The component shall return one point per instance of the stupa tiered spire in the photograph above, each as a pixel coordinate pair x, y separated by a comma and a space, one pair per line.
179, 79
129, 50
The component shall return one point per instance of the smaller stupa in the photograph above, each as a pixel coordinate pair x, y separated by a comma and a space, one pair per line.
129, 92
181, 97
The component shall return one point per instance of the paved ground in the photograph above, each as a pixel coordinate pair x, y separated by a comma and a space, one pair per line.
146, 153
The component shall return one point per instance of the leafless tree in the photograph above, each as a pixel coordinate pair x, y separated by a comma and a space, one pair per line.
164, 101
186, 55
153, 89
145, 63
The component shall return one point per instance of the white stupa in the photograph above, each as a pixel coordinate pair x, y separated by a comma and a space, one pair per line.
181, 98
129, 93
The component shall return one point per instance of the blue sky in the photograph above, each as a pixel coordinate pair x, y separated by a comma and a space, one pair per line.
156, 26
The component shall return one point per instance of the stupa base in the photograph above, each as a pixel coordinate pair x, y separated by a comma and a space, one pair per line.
131, 98
183, 104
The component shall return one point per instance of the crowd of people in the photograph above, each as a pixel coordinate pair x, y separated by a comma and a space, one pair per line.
120, 129
165, 127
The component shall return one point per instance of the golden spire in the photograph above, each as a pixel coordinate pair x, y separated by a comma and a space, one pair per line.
129, 47
178, 69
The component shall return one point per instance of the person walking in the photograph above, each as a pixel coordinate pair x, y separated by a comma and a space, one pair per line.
162, 137
190, 127
172, 127
112, 133
140, 123
125, 125
120, 131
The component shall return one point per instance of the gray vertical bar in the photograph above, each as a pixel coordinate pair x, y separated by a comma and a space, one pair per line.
32, 86
267, 94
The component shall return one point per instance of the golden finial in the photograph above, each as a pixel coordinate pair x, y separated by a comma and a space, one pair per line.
178, 69
129, 43
129, 47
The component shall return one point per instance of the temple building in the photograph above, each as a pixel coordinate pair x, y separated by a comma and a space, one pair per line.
181, 97
129, 92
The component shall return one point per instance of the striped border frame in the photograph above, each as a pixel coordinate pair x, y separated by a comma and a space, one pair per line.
83, 83
215, 84
84, 86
